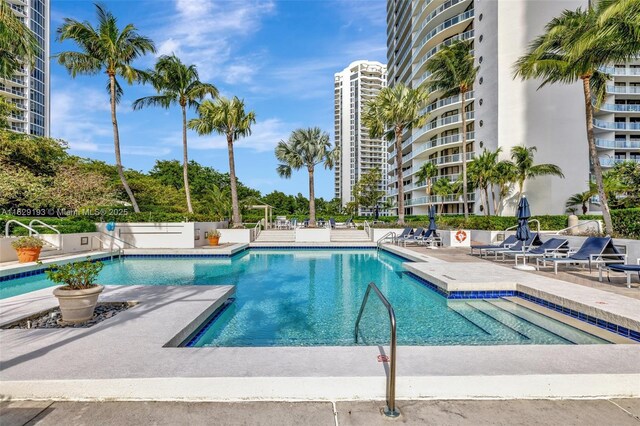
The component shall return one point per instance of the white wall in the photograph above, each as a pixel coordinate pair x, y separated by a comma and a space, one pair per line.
319, 235
235, 235
158, 235
72, 243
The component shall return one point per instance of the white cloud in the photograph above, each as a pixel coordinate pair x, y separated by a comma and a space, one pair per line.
204, 32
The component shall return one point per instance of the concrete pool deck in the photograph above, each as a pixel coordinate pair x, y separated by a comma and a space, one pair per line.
125, 358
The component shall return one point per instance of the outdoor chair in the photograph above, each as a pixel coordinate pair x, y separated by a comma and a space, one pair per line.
413, 239
599, 250
518, 247
406, 233
553, 247
508, 242
430, 239
628, 270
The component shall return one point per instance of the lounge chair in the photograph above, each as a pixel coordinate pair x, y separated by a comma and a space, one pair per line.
430, 238
628, 270
508, 242
332, 222
413, 239
553, 247
406, 232
518, 247
599, 250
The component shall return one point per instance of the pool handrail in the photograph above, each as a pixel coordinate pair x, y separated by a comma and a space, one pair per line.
598, 223
390, 410
391, 234
41, 223
367, 229
117, 239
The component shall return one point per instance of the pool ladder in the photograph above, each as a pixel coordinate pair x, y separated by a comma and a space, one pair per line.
390, 410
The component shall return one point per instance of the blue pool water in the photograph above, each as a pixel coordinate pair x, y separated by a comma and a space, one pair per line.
312, 297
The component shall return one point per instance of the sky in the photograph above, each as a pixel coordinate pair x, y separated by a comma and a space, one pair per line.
279, 56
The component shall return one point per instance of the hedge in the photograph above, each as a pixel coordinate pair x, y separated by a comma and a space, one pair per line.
64, 225
626, 223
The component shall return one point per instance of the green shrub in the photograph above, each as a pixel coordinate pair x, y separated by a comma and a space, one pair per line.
69, 225
626, 223
27, 243
75, 276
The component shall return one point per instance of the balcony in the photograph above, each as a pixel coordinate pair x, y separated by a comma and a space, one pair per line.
612, 125
620, 107
446, 24
620, 71
618, 144
464, 36
444, 102
628, 90
442, 122
439, 199
451, 159
611, 162
439, 10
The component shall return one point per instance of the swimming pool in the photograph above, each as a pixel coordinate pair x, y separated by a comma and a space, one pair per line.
312, 297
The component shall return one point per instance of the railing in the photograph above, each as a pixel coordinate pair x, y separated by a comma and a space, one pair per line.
41, 223
610, 162
620, 107
597, 222
8, 225
615, 125
390, 234
620, 70
623, 89
104, 243
367, 229
621, 144
256, 230
118, 239
390, 409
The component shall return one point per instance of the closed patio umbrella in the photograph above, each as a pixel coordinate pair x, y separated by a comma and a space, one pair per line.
523, 233
432, 219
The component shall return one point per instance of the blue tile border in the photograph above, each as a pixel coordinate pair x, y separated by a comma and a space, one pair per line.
193, 256
485, 294
41, 270
311, 248
205, 326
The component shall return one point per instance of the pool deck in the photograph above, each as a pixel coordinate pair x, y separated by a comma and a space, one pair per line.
126, 357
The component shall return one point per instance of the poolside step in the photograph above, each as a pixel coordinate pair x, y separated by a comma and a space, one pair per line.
488, 324
276, 236
509, 318
354, 235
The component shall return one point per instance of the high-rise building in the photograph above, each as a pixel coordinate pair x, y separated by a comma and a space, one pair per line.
501, 111
617, 121
28, 89
360, 82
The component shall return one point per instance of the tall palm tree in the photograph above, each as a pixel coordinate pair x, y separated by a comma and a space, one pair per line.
442, 187
306, 148
522, 158
453, 72
17, 42
425, 174
504, 176
226, 117
482, 170
177, 83
574, 47
112, 50
394, 110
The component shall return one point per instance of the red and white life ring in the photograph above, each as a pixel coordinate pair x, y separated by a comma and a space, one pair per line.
461, 235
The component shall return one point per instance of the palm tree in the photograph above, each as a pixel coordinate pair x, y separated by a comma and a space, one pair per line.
522, 158
179, 84
397, 109
111, 49
226, 117
504, 175
482, 171
453, 72
425, 174
17, 42
574, 47
579, 199
442, 187
306, 148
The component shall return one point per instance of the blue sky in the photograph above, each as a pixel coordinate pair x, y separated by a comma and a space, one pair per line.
280, 56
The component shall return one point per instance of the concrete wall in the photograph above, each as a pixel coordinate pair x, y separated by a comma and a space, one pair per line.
201, 228
158, 235
71, 243
235, 235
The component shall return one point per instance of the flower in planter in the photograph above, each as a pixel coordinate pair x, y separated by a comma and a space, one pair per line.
214, 233
75, 276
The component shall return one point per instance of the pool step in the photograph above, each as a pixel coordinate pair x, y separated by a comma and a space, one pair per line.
349, 235
488, 324
509, 317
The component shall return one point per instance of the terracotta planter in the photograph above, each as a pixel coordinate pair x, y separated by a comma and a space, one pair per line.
77, 305
213, 241
28, 254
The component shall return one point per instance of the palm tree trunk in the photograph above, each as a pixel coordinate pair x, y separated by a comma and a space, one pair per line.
593, 154
312, 199
185, 159
486, 200
495, 201
116, 144
464, 157
234, 190
399, 174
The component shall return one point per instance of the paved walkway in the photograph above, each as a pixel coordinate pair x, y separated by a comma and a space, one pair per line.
618, 412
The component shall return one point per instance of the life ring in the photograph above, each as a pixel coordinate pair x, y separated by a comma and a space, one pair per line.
461, 235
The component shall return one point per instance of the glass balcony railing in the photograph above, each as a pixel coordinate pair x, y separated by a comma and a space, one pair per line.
446, 24
620, 107
451, 198
617, 144
610, 162
622, 71
623, 89
612, 125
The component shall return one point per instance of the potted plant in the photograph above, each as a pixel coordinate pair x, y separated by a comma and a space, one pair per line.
28, 248
214, 237
79, 293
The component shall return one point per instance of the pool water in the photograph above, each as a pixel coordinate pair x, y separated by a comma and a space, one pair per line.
312, 297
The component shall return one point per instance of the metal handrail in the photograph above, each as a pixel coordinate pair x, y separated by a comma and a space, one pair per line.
9, 222
257, 229
597, 222
41, 223
367, 229
390, 410
120, 249
385, 236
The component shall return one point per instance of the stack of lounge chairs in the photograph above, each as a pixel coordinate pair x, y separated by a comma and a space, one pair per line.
594, 250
